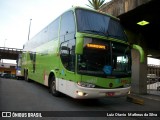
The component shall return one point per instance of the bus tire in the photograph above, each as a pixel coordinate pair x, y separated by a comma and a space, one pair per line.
26, 75
52, 87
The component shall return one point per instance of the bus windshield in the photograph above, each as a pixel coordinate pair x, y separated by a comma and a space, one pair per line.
98, 54
92, 22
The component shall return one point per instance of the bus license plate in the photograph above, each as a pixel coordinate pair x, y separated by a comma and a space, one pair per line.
110, 93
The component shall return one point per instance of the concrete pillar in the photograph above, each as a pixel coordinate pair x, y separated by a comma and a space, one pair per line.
139, 74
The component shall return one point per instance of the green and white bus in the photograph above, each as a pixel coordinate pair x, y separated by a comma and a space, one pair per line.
83, 54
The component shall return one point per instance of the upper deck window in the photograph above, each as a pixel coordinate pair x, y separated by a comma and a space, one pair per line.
97, 23
67, 23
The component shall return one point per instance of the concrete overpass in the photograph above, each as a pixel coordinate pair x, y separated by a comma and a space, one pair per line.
9, 53
12, 54
130, 12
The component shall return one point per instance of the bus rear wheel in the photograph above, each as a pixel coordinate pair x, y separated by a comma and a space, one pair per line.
53, 90
26, 76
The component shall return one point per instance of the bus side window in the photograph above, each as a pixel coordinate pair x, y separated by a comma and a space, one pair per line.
67, 54
67, 41
67, 31
53, 30
64, 54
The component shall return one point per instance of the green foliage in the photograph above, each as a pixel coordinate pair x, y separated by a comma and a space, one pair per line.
95, 4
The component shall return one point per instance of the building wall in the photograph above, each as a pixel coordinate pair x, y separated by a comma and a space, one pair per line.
118, 7
153, 69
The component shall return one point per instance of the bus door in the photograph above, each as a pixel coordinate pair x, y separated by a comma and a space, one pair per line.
67, 64
67, 51
33, 60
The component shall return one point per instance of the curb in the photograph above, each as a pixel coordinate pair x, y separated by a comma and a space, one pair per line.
135, 99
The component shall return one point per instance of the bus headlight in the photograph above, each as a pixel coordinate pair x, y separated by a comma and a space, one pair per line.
18, 72
81, 93
84, 84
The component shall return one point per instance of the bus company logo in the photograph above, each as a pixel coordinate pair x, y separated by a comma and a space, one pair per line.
123, 81
93, 80
6, 114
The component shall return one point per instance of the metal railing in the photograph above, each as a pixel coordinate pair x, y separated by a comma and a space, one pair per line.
10, 49
153, 79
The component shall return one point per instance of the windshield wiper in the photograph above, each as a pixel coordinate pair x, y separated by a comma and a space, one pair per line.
116, 36
98, 32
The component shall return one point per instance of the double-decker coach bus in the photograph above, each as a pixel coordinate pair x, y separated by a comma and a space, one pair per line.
83, 54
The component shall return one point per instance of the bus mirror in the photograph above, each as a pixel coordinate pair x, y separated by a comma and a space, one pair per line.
139, 48
79, 46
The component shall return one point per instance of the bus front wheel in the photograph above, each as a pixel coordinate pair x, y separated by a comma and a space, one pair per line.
53, 90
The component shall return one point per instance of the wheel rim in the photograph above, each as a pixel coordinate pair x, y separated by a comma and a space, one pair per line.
53, 87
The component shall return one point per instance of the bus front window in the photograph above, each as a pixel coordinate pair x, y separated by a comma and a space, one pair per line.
96, 54
100, 53
101, 24
121, 59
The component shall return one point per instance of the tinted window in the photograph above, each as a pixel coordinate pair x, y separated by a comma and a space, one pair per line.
99, 55
53, 29
67, 23
97, 23
67, 54
47, 34
90, 21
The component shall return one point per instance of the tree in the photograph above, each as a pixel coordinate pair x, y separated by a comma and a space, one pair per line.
95, 4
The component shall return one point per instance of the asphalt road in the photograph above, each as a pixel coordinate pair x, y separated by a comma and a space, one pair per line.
19, 95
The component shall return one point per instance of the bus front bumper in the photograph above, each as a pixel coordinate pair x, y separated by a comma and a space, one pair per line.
86, 93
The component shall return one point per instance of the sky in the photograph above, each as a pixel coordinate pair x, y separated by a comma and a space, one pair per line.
15, 17
153, 61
